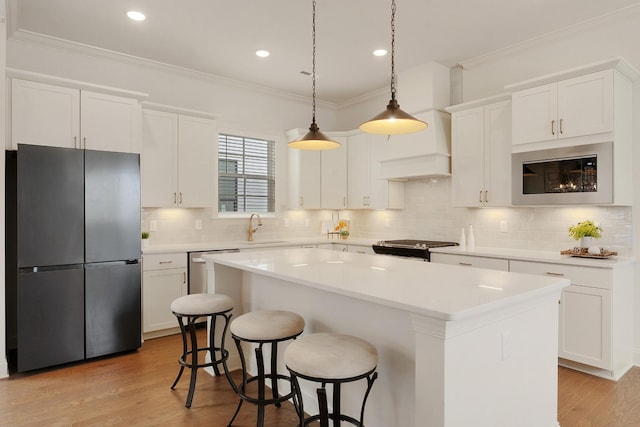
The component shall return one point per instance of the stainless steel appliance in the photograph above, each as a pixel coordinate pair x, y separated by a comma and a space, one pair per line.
409, 248
198, 271
73, 281
564, 176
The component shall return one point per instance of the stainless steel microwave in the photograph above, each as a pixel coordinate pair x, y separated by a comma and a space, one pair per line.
564, 176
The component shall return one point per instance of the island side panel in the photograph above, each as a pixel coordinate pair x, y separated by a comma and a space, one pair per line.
495, 370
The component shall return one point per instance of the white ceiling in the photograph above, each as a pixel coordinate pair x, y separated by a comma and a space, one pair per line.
221, 37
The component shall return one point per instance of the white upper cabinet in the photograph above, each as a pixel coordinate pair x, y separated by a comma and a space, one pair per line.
177, 162
109, 123
580, 106
481, 153
569, 108
333, 185
304, 171
366, 188
46, 114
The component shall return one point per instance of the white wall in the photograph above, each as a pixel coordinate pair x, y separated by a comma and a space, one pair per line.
3, 50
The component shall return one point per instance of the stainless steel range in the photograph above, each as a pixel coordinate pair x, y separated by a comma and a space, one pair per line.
409, 248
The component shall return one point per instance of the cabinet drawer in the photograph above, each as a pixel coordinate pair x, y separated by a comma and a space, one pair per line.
585, 276
471, 261
164, 261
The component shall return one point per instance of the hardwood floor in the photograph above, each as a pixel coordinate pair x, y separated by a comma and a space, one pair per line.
133, 390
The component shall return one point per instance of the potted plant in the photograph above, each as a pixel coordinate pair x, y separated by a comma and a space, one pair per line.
145, 239
344, 233
585, 232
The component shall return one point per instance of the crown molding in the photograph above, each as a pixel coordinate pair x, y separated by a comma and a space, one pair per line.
552, 36
29, 37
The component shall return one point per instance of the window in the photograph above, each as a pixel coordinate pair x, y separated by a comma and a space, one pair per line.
246, 174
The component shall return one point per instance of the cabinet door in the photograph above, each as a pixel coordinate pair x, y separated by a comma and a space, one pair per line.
358, 171
467, 157
43, 114
497, 154
500, 264
110, 123
334, 176
159, 159
383, 194
197, 162
535, 114
585, 326
159, 289
585, 105
304, 179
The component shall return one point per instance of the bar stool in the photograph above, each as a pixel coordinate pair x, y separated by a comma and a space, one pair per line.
263, 327
193, 307
334, 359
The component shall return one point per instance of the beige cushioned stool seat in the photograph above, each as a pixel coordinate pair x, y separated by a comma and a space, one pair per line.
330, 356
201, 304
267, 325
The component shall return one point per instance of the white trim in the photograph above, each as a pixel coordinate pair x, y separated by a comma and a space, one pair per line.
478, 103
179, 110
76, 84
550, 37
23, 36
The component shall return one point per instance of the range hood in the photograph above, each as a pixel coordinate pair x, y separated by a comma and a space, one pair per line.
424, 154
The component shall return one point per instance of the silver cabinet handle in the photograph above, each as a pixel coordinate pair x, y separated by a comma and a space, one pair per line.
181, 197
553, 127
466, 264
561, 127
175, 198
301, 201
344, 202
480, 196
165, 262
486, 196
184, 277
551, 273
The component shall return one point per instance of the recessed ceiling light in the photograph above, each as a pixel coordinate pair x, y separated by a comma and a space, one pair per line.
380, 52
136, 15
262, 53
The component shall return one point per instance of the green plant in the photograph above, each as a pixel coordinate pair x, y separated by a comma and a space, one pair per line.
585, 229
344, 233
145, 234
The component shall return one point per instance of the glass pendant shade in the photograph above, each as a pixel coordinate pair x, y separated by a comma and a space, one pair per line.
393, 121
314, 140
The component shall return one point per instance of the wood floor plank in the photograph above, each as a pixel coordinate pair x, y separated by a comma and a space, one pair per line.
134, 390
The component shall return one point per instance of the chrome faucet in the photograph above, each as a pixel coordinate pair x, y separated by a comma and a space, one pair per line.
251, 229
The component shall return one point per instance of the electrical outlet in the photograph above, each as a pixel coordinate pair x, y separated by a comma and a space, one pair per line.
504, 226
198, 224
153, 225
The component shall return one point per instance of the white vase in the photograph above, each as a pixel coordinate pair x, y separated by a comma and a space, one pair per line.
471, 240
586, 242
461, 241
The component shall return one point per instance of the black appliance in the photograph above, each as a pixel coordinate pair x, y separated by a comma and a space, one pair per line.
409, 248
73, 271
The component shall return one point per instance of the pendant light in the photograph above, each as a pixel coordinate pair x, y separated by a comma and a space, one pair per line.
393, 120
314, 139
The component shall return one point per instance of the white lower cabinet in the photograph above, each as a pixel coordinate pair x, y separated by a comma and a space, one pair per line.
164, 278
471, 261
596, 316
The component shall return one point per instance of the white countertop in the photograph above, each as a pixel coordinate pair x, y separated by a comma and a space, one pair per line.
535, 256
265, 243
436, 290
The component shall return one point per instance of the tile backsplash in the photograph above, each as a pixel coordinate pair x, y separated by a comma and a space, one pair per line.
428, 214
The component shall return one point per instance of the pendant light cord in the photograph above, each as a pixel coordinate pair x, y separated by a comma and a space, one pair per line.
313, 74
393, 49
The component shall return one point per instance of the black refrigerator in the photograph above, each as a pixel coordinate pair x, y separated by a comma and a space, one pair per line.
73, 271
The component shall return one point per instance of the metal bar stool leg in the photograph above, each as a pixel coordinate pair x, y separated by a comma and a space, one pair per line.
322, 405
274, 371
370, 381
336, 405
184, 352
212, 346
191, 325
261, 385
243, 386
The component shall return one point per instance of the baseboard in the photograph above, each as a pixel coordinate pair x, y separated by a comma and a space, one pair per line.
602, 373
4, 368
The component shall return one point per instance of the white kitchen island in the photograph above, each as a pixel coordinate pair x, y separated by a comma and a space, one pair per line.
457, 346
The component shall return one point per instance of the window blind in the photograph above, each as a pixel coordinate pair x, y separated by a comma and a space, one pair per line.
246, 174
